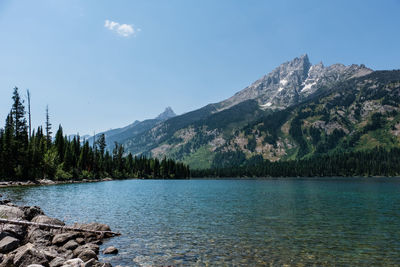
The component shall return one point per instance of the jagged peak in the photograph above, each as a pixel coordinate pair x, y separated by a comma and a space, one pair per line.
298, 61
304, 57
299, 65
166, 114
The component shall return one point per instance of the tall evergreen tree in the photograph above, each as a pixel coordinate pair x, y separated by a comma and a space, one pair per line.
101, 142
9, 148
59, 143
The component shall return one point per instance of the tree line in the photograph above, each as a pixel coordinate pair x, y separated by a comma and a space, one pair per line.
27, 154
375, 162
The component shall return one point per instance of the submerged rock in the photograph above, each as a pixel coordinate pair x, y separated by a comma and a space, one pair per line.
110, 250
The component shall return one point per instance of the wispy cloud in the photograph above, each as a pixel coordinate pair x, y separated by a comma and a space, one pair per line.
124, 30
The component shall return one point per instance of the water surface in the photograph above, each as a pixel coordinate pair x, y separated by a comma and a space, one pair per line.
330, 221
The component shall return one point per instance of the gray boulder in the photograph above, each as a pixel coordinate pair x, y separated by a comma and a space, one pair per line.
11, 213
64, 253
27, 255
8, 244
73, 263
8, 260
17, 231
89, 246
32, 211
90, 263
38, 236
50, 253
57, 262
80, 240
4, 234
61, 239
87, 255
71, 245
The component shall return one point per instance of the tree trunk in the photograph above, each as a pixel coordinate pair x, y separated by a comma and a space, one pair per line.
52, 226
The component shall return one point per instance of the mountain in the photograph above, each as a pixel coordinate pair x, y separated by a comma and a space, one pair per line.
296, 111
167, 114
292, 82
358, 114
119, 135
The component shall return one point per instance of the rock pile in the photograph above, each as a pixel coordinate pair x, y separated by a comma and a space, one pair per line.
34, 247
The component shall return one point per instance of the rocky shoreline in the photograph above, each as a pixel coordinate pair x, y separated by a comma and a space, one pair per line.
49, 182
35, 246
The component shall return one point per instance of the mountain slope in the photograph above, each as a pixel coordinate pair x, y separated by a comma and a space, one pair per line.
271, 118
358, 114
119, 135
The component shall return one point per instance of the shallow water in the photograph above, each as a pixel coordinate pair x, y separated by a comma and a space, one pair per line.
299, 222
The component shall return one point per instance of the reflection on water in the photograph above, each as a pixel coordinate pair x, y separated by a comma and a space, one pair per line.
235, 222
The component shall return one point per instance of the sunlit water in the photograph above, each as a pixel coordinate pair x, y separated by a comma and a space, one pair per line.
299, 222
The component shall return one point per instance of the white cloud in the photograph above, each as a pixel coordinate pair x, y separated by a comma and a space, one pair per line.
124, 30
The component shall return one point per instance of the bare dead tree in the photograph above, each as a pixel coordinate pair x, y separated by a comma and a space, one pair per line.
29, 112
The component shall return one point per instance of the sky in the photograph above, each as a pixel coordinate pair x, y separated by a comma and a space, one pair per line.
104, 64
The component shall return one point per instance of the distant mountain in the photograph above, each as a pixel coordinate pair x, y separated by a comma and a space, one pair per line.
296, 111
167, 114
119, 135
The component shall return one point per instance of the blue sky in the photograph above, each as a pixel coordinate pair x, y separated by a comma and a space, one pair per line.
103, 64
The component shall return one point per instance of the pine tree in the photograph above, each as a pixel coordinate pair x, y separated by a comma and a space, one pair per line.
59, 143
18, 113
9, 147
101, 142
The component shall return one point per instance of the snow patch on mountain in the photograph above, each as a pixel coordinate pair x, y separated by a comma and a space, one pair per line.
268, 104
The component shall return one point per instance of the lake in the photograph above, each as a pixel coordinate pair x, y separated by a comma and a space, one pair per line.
324, 221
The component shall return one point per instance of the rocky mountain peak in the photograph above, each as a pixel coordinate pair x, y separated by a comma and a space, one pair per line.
166, 114
292, 81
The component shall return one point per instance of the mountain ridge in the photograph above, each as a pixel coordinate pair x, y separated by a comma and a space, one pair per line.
245, 125
118, 135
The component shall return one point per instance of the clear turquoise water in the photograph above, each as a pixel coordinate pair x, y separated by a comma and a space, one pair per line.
299, 222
